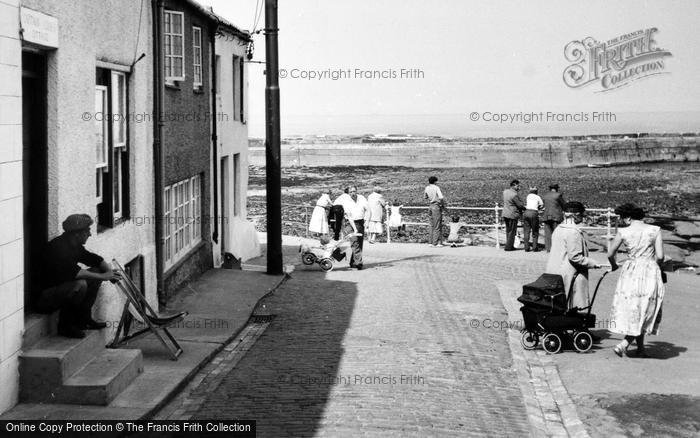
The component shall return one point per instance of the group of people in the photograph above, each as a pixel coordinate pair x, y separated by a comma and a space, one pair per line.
355, 216
551, 205
636, 308
639, 293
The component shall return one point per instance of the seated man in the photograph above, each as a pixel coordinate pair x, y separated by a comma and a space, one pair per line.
68, 287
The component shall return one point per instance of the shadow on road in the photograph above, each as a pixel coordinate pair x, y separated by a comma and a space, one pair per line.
285, 380
664, 350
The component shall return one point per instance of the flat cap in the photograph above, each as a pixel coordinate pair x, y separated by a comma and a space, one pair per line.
554, 186
77, 222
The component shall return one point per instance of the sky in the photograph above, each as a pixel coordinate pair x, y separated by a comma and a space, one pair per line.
462, 57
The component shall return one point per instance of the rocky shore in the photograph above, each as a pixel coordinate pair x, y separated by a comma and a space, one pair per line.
669, 192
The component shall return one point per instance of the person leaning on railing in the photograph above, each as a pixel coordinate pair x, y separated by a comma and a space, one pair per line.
553, 213
531, 219
437, 204
512, 206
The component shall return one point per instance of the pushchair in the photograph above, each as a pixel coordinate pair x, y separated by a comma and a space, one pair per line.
547, 320
326, 253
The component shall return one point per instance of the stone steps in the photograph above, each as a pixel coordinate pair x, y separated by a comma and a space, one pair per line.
102, 379
37, 326
56, 369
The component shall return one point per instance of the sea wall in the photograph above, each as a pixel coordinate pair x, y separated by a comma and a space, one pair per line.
527, 153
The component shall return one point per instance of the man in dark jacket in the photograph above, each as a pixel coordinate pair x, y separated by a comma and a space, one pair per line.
553, 213
67, 286
512, 206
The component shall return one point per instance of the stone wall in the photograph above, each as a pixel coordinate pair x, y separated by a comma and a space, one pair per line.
526, 153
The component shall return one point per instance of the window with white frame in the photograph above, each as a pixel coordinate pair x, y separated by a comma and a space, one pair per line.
174, 45
238, 89
112, 162
101, 139
118, 82
182, 219
197, 56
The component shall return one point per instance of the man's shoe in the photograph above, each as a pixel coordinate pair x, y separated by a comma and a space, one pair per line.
71, 332
359, 267
94, 325
508, 249
439, 245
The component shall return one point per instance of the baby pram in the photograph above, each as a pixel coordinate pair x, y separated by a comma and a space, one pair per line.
326, 253
547, 319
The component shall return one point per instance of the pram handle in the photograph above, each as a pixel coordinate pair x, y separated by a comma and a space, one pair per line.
595, 293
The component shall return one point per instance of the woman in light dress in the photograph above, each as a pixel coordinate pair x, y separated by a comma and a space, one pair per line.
636, 308
319, 217
376, 204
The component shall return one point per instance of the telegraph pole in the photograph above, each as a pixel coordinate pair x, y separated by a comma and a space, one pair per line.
273, 173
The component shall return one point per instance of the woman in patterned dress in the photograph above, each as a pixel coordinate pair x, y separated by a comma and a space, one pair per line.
636, 308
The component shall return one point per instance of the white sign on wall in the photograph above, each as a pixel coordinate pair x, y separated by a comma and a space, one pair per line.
39, 28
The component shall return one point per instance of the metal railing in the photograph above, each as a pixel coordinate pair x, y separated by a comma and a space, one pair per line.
496, 225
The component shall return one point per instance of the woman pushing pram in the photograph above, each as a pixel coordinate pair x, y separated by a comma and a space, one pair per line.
333, 248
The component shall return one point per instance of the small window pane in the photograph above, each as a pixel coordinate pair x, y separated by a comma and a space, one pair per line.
101, 118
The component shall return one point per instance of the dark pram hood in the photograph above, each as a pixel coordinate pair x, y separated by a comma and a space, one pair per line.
545, 292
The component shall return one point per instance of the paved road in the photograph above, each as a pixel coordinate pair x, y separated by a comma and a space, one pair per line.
408, 346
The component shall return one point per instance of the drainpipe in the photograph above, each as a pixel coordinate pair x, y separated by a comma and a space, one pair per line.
158, 156
214, 138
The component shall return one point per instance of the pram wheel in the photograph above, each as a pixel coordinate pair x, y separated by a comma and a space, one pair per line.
529, 340
326, 264
551, 343
583, 341
308, 258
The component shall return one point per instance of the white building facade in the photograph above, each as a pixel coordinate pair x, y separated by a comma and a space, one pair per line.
236, 236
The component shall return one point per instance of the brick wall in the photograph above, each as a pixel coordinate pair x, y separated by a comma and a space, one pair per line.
11, 223
187, 142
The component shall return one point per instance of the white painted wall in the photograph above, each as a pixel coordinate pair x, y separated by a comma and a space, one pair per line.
107, 31
103, 30
11, 223
232, 137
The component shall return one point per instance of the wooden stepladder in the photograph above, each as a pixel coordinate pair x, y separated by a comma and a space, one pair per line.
137, 308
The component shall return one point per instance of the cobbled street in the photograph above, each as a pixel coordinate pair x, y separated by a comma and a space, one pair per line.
411, 345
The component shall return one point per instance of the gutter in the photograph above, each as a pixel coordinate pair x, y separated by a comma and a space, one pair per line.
158, 155
214, 137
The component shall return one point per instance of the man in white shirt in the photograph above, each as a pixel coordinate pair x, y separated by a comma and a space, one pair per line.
356, 213
531, 220
437, 203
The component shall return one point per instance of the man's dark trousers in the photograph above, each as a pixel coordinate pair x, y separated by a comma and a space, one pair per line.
531, 221
549, 227
356, 243
435, 224
74, 298
511, 229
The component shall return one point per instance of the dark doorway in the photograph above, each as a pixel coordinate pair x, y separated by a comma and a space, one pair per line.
35, 168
